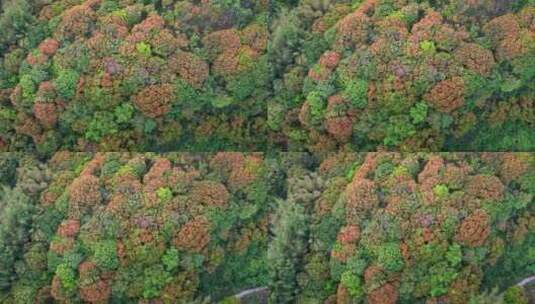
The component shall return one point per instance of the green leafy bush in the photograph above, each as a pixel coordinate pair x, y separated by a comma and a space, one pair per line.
515, 295
428, 47
440, 280
318, 104
28, 87
454, 255
441, 190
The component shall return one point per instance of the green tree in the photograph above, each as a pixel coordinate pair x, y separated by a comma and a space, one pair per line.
16, 211
356, 90
67, 277
389, 257
105, 254
66, 82
15, 20
124, 112
171, 259
286, 251
398, 129
103, 124
285, 42
418, 112
155, 278
164, 194
353, 284
8, 166
515, 295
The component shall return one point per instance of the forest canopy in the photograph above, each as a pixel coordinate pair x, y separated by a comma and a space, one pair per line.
199, 228
267, 151
253, 75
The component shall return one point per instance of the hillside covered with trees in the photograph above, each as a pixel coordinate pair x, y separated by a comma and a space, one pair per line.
403, 75
249, 75
341, 228
133, 75
267, 151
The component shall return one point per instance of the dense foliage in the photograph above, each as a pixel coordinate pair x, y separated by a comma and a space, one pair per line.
415, 228
403, 75
124, 228
309, 75
130, 75
267, 151
334, 228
